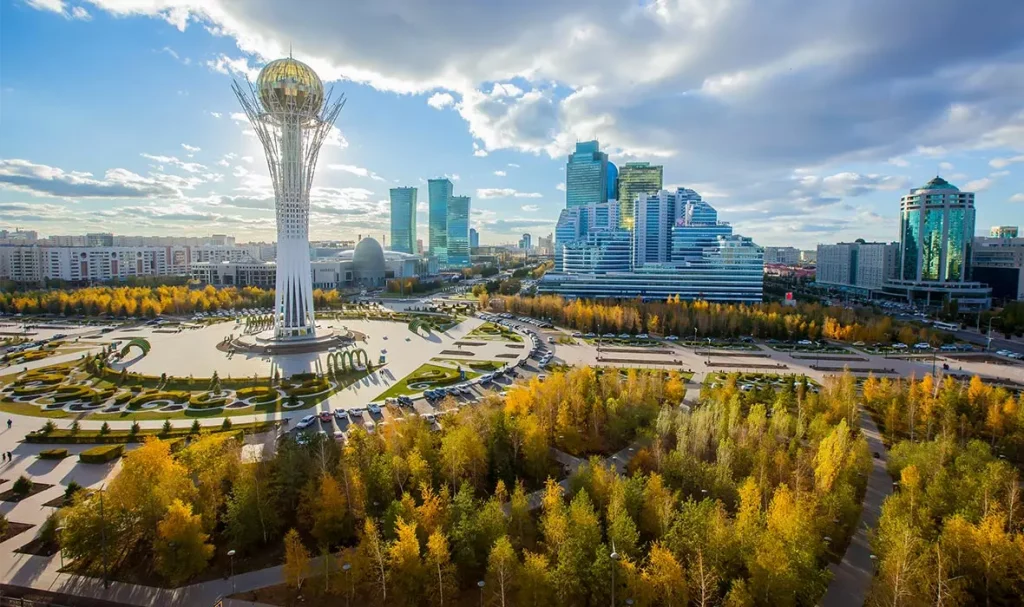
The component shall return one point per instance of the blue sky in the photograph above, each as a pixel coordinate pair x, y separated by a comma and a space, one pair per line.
803, 122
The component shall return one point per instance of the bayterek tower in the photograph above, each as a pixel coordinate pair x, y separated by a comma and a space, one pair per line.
292, 117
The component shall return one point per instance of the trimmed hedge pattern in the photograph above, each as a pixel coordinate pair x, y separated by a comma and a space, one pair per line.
53, 454
102, 454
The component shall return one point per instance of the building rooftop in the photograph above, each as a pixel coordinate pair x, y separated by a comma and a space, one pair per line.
938, 183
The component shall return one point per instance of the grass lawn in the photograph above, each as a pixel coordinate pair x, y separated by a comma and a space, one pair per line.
34, 410
491, 331
438, 375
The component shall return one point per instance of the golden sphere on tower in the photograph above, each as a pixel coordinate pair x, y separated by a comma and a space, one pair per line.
288, 85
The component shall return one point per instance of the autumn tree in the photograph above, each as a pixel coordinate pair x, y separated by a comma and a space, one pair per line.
181, 548
296, 560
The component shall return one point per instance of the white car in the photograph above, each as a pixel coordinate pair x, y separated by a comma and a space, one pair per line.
306, 422
805, 342
922, 345
672, 338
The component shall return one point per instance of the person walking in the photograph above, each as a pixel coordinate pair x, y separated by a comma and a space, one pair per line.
10, 423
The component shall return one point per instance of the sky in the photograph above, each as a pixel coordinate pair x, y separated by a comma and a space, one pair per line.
802, 121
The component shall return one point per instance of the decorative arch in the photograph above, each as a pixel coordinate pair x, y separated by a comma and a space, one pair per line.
140, 342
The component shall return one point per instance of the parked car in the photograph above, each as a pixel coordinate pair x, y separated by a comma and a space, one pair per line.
922, 345
672, 338
340, 415
325, 416
374, 408
306, 422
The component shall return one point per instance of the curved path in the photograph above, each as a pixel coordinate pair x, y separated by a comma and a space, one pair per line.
851, 577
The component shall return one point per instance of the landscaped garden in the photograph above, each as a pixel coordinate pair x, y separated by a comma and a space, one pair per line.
492, 331
430, 376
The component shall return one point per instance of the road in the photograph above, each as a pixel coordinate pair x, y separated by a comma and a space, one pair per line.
851, 578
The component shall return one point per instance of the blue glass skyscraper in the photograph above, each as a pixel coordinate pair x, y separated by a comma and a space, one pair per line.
439, 193
403, 219
586, 175
458, 232
474, 238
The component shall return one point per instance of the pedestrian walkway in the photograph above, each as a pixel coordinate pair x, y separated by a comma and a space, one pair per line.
851, 578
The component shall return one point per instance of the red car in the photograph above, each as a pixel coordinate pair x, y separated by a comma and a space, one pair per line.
325, 416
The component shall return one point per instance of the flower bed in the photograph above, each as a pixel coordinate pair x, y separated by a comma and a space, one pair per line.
207, 400
173, 396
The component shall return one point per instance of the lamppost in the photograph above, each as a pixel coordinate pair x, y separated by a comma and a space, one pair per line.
346, 567
480, 585
231, 557
60, 540
709, 351
615, 563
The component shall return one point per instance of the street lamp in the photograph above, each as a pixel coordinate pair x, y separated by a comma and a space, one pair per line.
60, 540
709, 351
346, 568
480, 585
615, 560
231, 556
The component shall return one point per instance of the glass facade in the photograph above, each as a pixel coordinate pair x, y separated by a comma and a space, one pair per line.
474, 238
586, 175
458, 232
636, 178
613, 181
403, 219
957, 249
931, 245
598, 253
439, 192
910, 237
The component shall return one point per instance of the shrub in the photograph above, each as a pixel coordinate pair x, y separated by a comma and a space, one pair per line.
101, 454
195, 427
48, 427
3, 525
75, 427
167, 427
226, 425
48, 531
53, 454
176, 444
104, 429
135, 428
71, 490
22, 486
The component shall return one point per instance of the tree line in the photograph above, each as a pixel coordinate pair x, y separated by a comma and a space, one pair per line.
146, 301
682, 318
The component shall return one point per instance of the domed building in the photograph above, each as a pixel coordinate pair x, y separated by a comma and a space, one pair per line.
368, 267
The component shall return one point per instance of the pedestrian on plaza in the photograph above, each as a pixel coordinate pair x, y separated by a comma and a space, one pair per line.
10, 423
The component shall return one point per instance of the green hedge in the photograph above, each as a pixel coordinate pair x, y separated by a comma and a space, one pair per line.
142, 399
31, 390
313, 389
115, 437
53, 454
102, 454
205, 401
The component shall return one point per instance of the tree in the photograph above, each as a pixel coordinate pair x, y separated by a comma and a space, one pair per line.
373, 551
181, 549
535, 581
440, 573
405, 564
296, 560
251, 518
665, 577
324, 509
502, 568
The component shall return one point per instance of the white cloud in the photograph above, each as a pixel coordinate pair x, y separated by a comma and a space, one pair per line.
453, 176
978, 185
513, 165
1017, 198
439, 101
191, 149
1000, 163
898, 161
531, 208
500, 173
190, 167
236, 67
488, 193
53, 6
248, 159
356, 170
946, 166
478, 151
216, 114
77, 12
43, 180
560, 187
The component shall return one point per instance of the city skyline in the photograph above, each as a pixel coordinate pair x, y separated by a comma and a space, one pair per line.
815, 163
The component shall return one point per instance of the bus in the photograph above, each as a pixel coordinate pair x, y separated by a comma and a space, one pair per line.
946, 326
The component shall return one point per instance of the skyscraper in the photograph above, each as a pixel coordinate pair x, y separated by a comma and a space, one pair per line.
292, 117
586, 175
613, 181
458, 232
439, 192
637, 178
936, 241
474, 239
403, 219
526, 242
654, 215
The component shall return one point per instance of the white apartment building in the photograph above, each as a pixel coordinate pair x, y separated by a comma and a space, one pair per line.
788, 256
858, 265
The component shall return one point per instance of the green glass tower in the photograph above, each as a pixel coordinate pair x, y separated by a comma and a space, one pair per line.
636, 178
403, 219
439, 192
458, 232
586, 175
